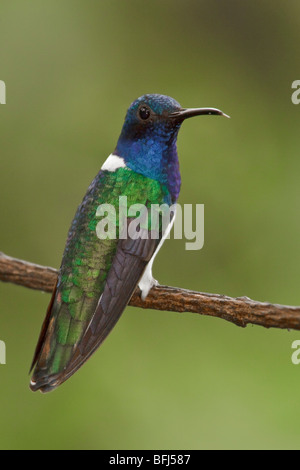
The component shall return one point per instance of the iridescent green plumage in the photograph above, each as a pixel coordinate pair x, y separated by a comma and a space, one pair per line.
86, 263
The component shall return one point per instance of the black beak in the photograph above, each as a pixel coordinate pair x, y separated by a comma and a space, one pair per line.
182, 114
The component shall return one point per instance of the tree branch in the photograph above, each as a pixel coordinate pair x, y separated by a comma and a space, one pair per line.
240, 311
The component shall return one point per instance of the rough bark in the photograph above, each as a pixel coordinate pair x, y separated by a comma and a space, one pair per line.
240, 311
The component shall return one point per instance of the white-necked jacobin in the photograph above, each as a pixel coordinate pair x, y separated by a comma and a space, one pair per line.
97, 277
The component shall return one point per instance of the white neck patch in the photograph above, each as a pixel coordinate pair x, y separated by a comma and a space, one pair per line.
113, 162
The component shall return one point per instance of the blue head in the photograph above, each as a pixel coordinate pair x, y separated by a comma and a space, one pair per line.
148, 139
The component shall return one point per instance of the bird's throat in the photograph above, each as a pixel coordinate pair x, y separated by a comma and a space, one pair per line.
155, 158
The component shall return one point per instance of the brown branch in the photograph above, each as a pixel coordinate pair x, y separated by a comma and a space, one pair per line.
239, 311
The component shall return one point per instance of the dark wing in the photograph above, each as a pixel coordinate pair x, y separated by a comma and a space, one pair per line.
130, 261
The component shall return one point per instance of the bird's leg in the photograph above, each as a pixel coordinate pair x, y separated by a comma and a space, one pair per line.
147, 281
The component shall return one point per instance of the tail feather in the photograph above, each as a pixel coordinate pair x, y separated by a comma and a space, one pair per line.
43, 332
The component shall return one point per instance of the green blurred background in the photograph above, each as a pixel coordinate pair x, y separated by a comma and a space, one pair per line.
161, 380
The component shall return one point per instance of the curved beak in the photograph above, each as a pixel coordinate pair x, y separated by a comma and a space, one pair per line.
182, 114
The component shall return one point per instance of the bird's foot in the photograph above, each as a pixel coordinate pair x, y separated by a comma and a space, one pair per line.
146, 284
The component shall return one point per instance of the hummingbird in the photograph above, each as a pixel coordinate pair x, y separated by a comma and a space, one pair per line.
98, 277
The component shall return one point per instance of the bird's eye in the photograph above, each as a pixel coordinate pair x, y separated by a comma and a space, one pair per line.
144, 113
